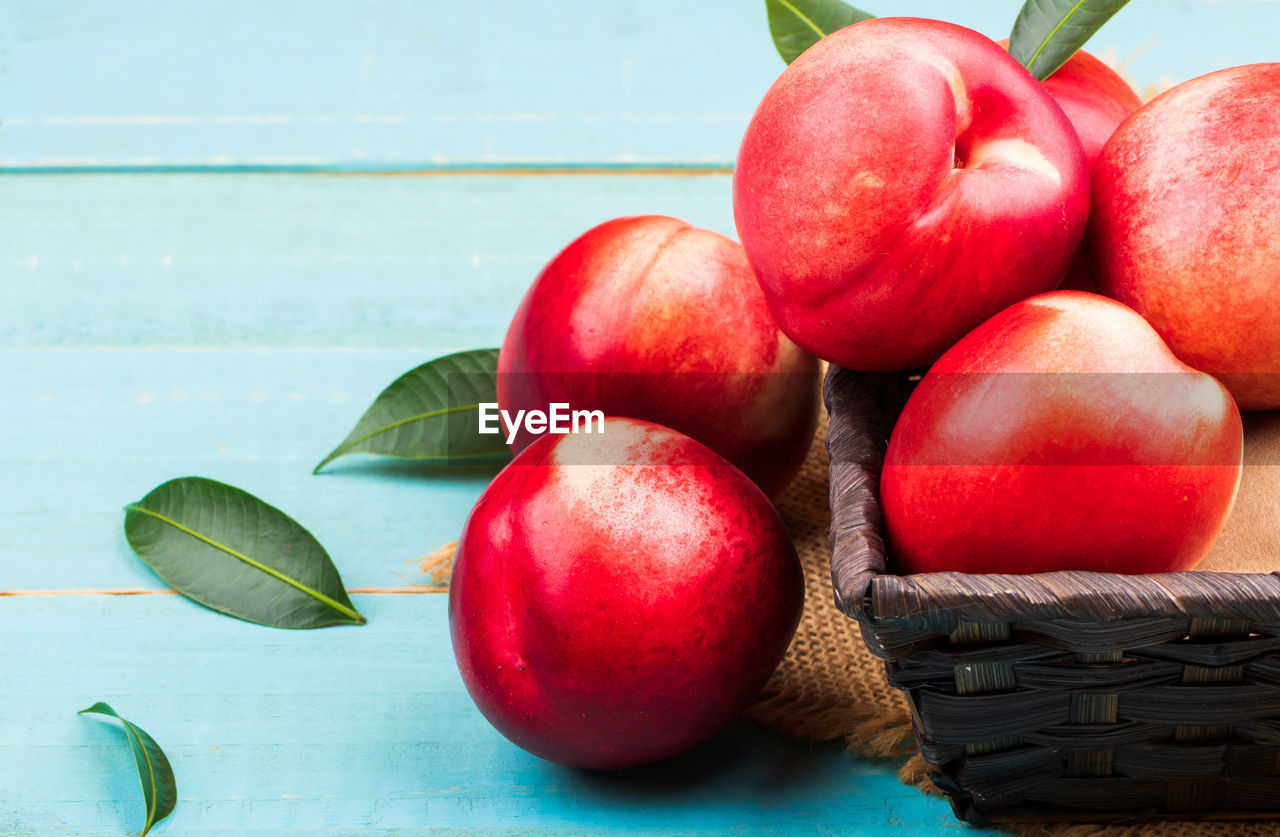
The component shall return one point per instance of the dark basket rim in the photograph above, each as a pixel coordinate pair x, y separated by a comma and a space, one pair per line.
866, 591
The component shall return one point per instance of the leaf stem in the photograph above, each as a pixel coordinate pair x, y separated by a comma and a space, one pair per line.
1053, 32
140, 748
804, 18
351, 443
146, 765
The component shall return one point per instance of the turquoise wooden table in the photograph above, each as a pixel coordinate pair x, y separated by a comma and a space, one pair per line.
205, 271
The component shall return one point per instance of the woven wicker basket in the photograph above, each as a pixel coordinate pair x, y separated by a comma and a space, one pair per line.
1060, 696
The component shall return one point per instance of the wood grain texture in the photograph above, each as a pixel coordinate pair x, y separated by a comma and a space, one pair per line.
282, 732
86, 431
235, 327
301, 260
396, 84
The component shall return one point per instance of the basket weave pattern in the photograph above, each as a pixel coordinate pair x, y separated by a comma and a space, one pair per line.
1070, 695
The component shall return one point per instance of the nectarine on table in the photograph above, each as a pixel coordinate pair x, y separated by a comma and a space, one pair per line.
618, 598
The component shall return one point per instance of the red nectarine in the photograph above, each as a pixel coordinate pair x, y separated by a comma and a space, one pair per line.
900, 182
651, 318
618, 598
1096, 99
1061, 434
1186, 210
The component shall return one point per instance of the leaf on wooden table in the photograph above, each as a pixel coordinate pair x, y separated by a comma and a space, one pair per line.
159, 791
797, 25
430, 412
1048, 32
233, 553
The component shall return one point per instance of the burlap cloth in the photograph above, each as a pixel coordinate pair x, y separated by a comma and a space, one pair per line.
830, 688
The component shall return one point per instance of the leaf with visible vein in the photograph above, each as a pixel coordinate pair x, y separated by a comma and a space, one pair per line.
431, 413
233, 553
158, 789
1048, 32
797, 25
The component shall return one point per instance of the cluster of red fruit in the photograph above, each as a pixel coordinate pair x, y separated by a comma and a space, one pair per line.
907, 195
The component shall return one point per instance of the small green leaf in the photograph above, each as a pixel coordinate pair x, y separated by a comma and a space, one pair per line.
797, 25
430, 413
1048, 32
158, 788
233, 553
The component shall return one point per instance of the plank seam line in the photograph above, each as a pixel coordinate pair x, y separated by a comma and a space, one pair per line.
144, 591
458, 170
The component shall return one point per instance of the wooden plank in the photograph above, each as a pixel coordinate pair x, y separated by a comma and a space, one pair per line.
361, 84
323, 732
86, 431
294, 260
236, 327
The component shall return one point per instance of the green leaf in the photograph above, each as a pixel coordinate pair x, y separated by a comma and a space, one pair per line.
233, 553
797, 25
158, 788
430, 412
1048, 32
